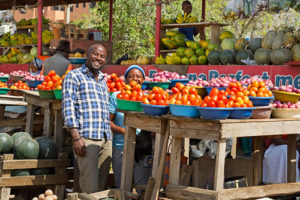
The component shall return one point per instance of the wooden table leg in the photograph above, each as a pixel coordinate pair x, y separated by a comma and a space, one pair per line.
2, 111
159, 141
214, 34
58, 129
4, 193
220, 165
175, 160
29, 118
291, 159
258, 155
187, 148
128, 158
47, 128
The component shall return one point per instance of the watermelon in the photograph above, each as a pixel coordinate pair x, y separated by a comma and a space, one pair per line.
279, 56
228, 43
262, 56
40, 171
227, 57
47, 148
213, 57
6, 143
242, 55
20, 172
254, 44
26, 148
19, 134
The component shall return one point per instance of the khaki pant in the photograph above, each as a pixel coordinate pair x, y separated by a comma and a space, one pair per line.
94, 167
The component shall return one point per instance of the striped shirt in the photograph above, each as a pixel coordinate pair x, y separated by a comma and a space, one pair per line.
85, 104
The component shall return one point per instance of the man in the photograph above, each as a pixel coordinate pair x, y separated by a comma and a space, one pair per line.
189, 32
86, 114
59, 61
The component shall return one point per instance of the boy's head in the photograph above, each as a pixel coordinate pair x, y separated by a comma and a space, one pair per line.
187, 7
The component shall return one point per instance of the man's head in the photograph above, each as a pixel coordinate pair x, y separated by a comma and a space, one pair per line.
63, 48
187, 7
96, 57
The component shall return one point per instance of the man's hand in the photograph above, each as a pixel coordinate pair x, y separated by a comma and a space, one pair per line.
79, 147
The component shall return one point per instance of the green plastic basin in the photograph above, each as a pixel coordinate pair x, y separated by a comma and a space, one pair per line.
129, 105
57, 94
163, 85
3, 90
4, 79
46, 94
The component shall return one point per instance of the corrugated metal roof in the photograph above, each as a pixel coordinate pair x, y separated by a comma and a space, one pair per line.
8, 4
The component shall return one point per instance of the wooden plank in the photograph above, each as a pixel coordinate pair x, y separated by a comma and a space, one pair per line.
56, 106
258, 154
220, 165
144, 122
233, 148
12, 103
252, 129
11, 98
188, 25
149, 189
59, 190
175, 160
291, 159
255, 192
183, 192
186, 148
37, 101
4, 158
214, 34
33, 180
17, 122
194, 133
4, 193
103, 194
2, 111
158, 175
128, 158
203, 125
47, 128
185, 175
29, 118
196, 173
34, 163
58, 129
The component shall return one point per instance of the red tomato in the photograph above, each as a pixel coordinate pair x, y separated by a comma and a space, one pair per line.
175, 90
185, 91
145, 101
179, 102
126, 96
214, 92
250, 104
153, 102
193, 90
221, 104
184, 98
127, 87
114, 89
222, 92
139, 98
47, 78
118, 80
161, 102
112, 85
59, 87
236, 105
39, 86
43, 87
109, 80
229, 104
188, 103
50, 84
192, 97
133, 83
207, 99
133, 98
179, 85
172, 100
155, 89
203, 104
211, 104
113, 76
151, 96
214, 98
51, 73
158, 97
233, 85
196, 102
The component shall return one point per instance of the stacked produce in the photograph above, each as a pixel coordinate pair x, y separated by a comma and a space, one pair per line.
278, 104
165, 76
157, 96
141, 60
259, 89
180, 19
288, 88
199, 82
48, 195
31, 77
185, 95
52, 82
24, 22
20, 85
3, 85
249, 81
19, 73
114, 83
3, 74
131, 91
16, 56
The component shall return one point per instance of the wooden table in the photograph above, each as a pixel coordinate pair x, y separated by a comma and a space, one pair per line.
9, 100
49, 105
158, 125
219, 130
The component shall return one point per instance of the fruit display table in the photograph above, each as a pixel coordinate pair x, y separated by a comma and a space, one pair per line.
9, 100
219, 130
158, 125
50, 105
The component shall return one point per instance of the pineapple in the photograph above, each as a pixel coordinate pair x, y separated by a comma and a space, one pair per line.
297, 35
289, 40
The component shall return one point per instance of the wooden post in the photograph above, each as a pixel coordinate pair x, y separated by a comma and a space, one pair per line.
291, 159
58, 129
157, 28
111, 2
128, 158
175, 160
29, 118
220, 165
47, 128
214, 34
5, 192
40, 25
257, 159
2, 111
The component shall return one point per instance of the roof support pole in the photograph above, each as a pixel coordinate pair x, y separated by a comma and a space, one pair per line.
40, 24
202, 29
157, 28
110, 20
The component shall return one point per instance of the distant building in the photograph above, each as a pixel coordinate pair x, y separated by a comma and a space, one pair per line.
56, 13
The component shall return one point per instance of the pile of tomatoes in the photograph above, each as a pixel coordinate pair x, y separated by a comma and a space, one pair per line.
185, 95
131, 91
20, 85
235, 88
3, 85
157, 96
52, 81
114, 83
259, 89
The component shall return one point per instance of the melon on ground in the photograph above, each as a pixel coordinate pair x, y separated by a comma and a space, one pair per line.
6, 143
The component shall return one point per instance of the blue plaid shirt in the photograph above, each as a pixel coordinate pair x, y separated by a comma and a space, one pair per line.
85, 104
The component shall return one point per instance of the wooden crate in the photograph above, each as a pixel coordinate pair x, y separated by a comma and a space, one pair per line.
59, 179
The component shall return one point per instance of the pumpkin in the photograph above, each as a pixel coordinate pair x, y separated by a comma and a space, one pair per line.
243, 55
262, 56
254, 44
228, 43
288, 54
296, 52
267, 41
227, 57
240, 44
213, 57
278, 41
278, 56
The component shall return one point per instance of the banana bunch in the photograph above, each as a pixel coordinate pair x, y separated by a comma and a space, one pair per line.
167, 21
186, 18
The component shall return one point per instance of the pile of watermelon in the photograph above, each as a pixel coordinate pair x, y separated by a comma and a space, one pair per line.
23, 146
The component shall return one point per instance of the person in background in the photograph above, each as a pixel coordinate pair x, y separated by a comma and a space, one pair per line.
189, 32
143, 165
35, 66
85, 108
59, 61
